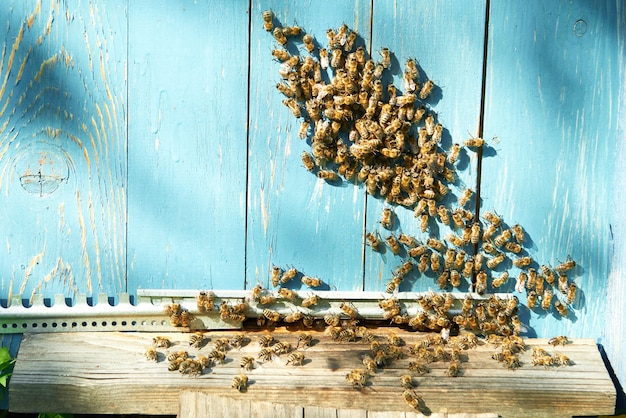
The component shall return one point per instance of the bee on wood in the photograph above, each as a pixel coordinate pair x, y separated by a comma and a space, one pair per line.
311, 281
357, 378
265, 354
310, 301
196, 339
546, 300
307, 40
271, 315
277, 273
480, 286
518, 232
185, 318
370, 364
493, 262
465, 197
247, 363
279, 36
266, 300
571, 293
513, 247
328, 175
567, 265
171, 309
474, 142
267, 340
453, 369
205, 301
268, 20
332, 319
545, 361
394, 244
560, 340
307, 160
453, 156
435, 262
522, 261
285, 293
386, 218
240, 382
295, 359
222, 344
281, 348
561, 308
426, 89
151, 354
418, 368
414, 401
293, 317
161, 342
521, 282
406, 381
562, 283
500, 280
182, 354
305, 340
373, 241
217, 356
531, 300
281, 55
493, 218
561, 359
501, 239
288, 275
349, 310
386, 58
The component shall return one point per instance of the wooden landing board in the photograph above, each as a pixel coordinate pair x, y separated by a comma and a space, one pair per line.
108, 373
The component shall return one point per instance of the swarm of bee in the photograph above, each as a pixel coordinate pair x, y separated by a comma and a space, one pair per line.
364, 130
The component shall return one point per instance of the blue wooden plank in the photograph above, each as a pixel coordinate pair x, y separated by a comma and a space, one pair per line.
62, 149
187, 158
296, 219
453, 59
551, 100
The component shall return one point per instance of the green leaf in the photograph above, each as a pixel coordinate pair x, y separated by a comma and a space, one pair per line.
5, 356
4, 378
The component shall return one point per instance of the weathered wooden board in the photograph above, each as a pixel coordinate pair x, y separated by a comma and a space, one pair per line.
95, 372
549, 104
62, 149
294, 218
453, 59
188, 65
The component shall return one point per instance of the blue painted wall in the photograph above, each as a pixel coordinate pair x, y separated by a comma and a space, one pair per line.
147, 147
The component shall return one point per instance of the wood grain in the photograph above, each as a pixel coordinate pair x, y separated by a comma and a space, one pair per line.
95, 372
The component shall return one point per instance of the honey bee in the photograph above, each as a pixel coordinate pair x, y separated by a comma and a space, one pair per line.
336, 56
324, 58
265, 354
240, 382
332, 319
279, 36
481, 283
520, 282
328, 175
307, 40
567, 265
513, 247
561, 308
282, 348
418, 368
370, 364
531, 300
417, 251
247, 363
266, 300
287, 293
218, 356
205, 301
222, 344
546, 300
292, 30
293, 317
295, 359
442, 280
311, 281
307, 160
268, 17
474, 142
522, 261
453, 156
235, 317
277, 273
177, 355
310, 301
475, 233
493, 218
386, 58
406, 381
281, 54
560, 340
561, 359
424, 222
185, 318
414, 401
386, 218
518, 232
501, 239
435, 262
422, 266
288, 275
426, 89
493, 262
373, 241
173, 308
571, 293
196, 339
271, 315
357, 378
465, 197
500, 280
267, 340
305, 340
443, 214
545, 361
349, 310
394, 244
453, 369
161, 342
151, 354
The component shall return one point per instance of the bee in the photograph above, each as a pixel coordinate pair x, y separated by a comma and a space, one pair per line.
205, 301
407, 240
307, 160
268, 17
493, 218
531, 300
500, 280
393, 244
373, 241
266, 300
305, 340
185, 318
217, 356
501, 239
561, 308
417, 251
395, 340
518, 232
293, 317
267, 340
324, 58
567, 265
465, 197
481, 283
293, 105
453, 156
247, 363
279, 36
151, 354
522, 261
292, 30
310, 301
327, 175
287, 293
406, 381
332, 319
443, 214
424, 222
423, 263
177, 355
256, 292
474, 142
545, 361
426, 89
288, 275
196, 339
282, 348
349, 310
493, 262
562, 283
222, 344
546, 300
238, 341
435, 260
571, 293
414, 401
307, 40
311, 281
265, 354
277, 273
453, 369
459, 260
386, 218
370, 364
295, 359
560, 340
357, 378
386, 58
513, 247
161, 342
271, 315
281, 54
172, 309
240, 382
520, 282
561, 359
418, 368
442, 280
